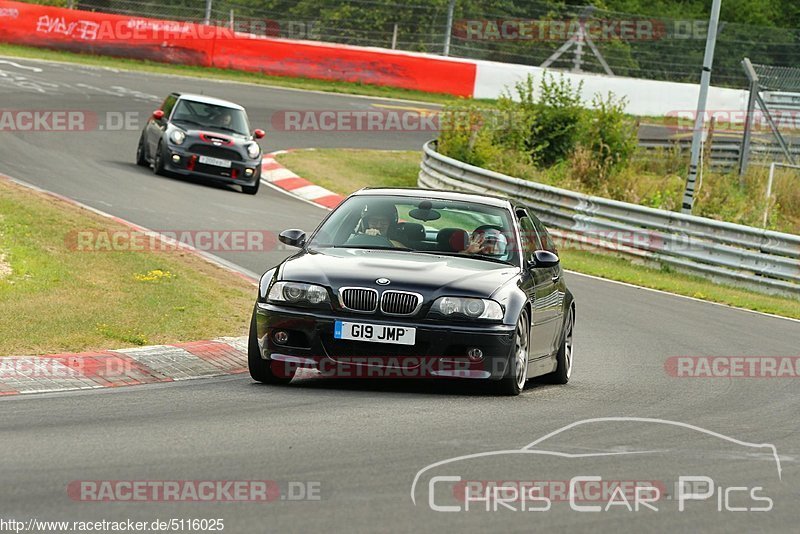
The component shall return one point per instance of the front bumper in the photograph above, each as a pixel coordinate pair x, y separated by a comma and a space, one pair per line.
440, 349
188, 165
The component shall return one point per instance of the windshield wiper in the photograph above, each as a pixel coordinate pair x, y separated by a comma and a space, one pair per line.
226, 129
375, 247
189, 121
472, 256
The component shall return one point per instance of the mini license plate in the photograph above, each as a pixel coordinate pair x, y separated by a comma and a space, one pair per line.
215, 161
376, 333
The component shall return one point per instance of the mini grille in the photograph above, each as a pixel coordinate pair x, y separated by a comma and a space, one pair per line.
399, 302
215, 152
359, 299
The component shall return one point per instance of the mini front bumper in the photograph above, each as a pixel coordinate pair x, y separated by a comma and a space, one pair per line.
440, 349
244, 172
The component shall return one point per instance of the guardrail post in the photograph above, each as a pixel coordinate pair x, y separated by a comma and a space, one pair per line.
207, 17
705, 81
451, 7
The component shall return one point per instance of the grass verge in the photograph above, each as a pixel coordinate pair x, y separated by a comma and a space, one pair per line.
54, 298
345, 171
350, 88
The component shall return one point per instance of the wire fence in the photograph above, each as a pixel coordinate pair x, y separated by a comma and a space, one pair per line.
534, 32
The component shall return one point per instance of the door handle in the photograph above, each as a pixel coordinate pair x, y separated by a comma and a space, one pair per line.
556, 277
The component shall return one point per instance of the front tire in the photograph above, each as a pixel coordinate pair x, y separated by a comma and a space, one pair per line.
261, 369
563, 370
158, 160
516, 375
141, 157
251, 189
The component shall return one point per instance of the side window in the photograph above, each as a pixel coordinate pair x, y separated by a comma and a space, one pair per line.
530, 237
168, 104
547, 241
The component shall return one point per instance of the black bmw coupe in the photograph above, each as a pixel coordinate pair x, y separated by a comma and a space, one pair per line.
196, 135
417, 283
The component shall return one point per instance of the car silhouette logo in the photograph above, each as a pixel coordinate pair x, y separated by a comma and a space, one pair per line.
383, 281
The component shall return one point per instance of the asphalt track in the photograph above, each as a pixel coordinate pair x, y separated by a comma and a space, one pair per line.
364, 442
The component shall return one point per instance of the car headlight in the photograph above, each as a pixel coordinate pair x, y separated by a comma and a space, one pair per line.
177, 137
471, 308
297, 293
253, 150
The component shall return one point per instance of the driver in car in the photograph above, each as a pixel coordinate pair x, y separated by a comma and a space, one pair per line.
377, 219
225, 119
488, 242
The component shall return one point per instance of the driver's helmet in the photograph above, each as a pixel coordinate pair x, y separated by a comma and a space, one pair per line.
494, 242
379, 215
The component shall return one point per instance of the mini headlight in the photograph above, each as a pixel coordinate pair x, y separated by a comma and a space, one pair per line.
177, 137
253, 150
468, 307
297, 293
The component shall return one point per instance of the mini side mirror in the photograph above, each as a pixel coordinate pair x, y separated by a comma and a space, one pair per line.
158, 114
293, 238
259, 134
542, 259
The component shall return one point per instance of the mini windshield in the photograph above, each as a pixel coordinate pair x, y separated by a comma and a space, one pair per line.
193, 114
420, 225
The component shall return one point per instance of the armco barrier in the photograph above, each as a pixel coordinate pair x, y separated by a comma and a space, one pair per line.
761, 259
195, 44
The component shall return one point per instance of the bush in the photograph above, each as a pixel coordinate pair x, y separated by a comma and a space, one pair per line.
466, 134
610, 135
557, 121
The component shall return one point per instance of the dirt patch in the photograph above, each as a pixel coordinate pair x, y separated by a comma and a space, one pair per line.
5, 267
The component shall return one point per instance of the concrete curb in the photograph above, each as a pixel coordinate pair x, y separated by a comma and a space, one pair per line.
21, 375
275, 174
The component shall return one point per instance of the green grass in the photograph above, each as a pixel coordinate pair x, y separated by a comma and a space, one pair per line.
54, 298
351, 88
618, 268
345, 171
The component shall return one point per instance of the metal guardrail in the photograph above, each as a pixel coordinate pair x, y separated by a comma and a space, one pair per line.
761, 259
724, 154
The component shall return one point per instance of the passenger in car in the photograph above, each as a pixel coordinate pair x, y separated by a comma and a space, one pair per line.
487, 242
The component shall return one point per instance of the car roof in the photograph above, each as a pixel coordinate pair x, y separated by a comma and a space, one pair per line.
415, 192
209, 100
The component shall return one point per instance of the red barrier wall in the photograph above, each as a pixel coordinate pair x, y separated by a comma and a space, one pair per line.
193, 44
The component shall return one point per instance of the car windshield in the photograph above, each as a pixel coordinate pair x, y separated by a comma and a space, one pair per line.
210, 116
420, 225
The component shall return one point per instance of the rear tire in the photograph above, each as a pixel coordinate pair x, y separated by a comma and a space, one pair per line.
158, 160
516, 375
251, 189
563, 370
261, 369
141, 157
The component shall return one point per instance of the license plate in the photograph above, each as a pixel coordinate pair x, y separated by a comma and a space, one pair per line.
215, 161
376, 333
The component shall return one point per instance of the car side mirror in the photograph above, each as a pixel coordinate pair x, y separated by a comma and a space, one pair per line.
158, 114
293, 238
259, 134
542, 259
